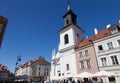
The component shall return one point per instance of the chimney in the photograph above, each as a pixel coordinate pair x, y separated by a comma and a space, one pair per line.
107, 26
96, 31
86, 36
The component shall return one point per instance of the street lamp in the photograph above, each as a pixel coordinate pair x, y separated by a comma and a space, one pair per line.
17, 61
3, 24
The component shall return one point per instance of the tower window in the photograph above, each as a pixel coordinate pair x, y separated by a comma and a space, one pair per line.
66, 39
67, 21
77, 35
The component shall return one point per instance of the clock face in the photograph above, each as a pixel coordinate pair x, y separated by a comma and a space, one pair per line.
1, 27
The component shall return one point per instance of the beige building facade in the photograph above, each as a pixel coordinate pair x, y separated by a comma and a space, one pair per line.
86, 59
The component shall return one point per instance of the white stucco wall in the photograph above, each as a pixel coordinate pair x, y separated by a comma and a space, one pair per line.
71, 39
106, 52
68, 58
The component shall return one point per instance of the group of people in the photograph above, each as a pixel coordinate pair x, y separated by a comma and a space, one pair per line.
85, 80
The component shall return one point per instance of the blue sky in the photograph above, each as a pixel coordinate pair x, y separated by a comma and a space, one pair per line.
33, 25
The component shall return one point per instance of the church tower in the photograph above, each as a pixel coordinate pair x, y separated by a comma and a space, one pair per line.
69, 17
70, 34
64, 61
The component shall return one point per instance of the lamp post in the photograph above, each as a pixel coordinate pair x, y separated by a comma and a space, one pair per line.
17, 61
3, 24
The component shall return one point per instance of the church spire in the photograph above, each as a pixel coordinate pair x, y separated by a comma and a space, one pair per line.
69, 17
69, 8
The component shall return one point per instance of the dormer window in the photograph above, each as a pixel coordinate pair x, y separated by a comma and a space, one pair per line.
114, 31
66, 39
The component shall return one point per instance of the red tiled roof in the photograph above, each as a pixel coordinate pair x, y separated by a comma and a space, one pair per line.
101, 34
86, 42
2, 67
41, 60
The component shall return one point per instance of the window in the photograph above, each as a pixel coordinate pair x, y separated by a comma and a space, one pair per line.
118, 42
44, 73
80, 54
114, 60
67, 21
110, 45
44, 69
114, 31
103, 60
100, 48
67, 67
81, 64
77, 35
66, 39
59, 74
47, 73
88, 64
86, 52
39, 73
47, 69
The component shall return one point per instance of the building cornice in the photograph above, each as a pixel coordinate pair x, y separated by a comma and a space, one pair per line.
69, 26
107, 52
83, 47
67, 48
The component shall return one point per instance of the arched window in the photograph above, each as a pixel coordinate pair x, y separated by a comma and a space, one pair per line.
66, 39
67, 21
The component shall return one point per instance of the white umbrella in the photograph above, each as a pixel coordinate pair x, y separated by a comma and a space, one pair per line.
104, 74
66, 77
84, 75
